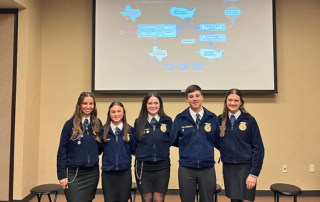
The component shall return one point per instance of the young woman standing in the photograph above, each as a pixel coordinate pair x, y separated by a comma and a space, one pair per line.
118, 146
79, 149
152, 168
241, 149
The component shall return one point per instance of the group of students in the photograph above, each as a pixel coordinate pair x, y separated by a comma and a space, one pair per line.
196, 132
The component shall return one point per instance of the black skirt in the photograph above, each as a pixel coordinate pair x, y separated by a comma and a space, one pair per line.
84, 186
235, 176
116, 185
154, 176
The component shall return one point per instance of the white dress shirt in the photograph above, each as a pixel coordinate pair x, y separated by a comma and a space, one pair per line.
82, 120
150, 117
237, 114
194, 114
113, 127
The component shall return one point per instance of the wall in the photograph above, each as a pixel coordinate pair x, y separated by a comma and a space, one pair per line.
288, 138
287, 120
6, 77
26, 157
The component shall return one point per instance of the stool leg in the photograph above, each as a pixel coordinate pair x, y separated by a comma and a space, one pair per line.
134, 195
277, 197
49, 197
39, 197
215, 197
55, 196
130, 198
295, 199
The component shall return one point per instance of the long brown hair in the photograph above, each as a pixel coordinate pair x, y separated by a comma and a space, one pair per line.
77, 117
126, 126
143, 116
225, 109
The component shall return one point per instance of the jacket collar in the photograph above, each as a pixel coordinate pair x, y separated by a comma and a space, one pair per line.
243, 117
186, 115
162, 119
111, 132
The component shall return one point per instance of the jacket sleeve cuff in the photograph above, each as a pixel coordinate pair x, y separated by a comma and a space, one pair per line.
254, 172
62, 174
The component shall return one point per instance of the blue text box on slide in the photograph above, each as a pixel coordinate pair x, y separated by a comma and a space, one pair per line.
159, 31
187, 41
212, 37
212, 27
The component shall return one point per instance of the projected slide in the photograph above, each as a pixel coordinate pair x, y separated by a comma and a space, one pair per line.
168, 45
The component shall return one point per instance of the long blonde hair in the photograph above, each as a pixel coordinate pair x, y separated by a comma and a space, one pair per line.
225, 109
77, 117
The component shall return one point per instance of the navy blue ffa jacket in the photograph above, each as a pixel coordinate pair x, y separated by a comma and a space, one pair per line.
196, 143
242, 143
117, 152
154, 146
72, 154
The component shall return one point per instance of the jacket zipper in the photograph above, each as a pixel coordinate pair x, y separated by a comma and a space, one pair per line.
232, 147
198, 146
117, 158
233, 156
154, 145
154, 151
117, 162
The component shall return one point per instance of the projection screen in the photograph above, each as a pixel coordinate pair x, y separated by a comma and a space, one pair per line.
165, 46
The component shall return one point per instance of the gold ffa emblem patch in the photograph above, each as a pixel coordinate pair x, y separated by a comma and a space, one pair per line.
207, 127
243, 126
163, 127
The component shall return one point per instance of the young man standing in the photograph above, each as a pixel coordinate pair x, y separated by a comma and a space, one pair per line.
195, 131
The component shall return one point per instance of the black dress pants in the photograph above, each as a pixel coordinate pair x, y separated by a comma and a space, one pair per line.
192, 178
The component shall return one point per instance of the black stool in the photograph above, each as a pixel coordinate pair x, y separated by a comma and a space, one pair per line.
285, 189
218, 189
46, 189
134, 190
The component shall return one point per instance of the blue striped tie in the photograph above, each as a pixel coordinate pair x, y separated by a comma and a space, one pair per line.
198, 119
117, 132
153, 122
86, 123
232, 119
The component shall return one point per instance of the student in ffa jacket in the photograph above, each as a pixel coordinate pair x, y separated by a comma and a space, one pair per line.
152, 155
195, 131
241, 149
118, 146
78, 153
